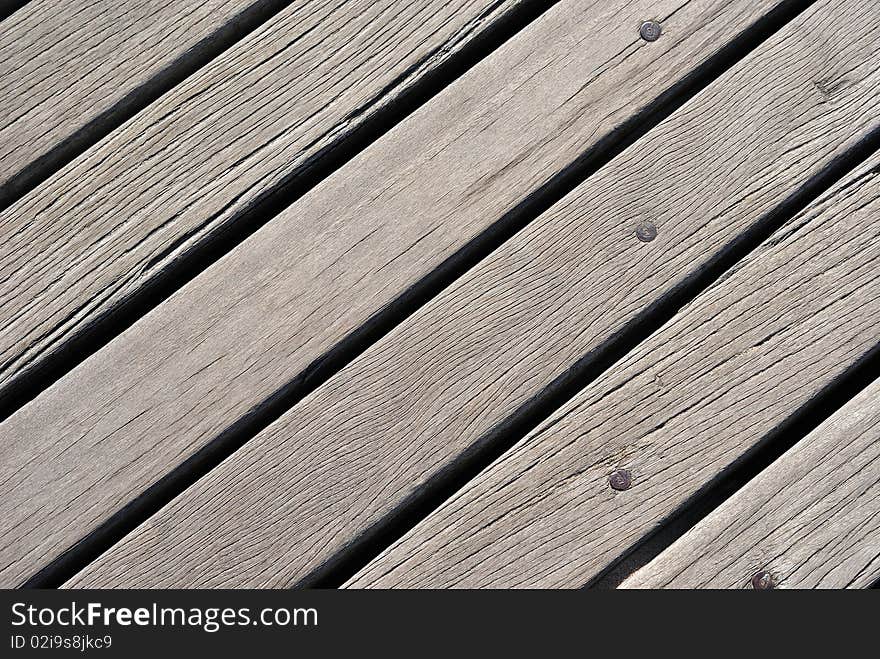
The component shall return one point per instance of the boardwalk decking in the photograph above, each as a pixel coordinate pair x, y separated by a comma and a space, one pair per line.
694, 397
431, 294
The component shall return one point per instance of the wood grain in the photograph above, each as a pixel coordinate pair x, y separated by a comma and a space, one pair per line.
68, 63
370, 437
111, 221
812, 519
247, 326
676, 411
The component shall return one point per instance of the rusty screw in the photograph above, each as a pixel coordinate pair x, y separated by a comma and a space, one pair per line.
762, 580
650, 31
620, 480
646, 232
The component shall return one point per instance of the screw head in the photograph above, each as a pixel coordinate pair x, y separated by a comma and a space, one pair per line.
762, 580
646, 232
620, 480
650, 30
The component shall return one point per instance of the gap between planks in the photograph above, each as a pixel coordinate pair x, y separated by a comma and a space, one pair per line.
77, 72
10, 7
773, 446
419, 399
811, 520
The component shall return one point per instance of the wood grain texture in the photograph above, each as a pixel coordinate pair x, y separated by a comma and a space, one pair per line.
254, 321
676, 411
66, 63
812, 519
109, 223
357, 447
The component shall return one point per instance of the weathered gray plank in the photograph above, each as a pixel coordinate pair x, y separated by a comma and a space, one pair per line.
677, 410
67, 63
408, 406
810, 520
250, 324
109, 223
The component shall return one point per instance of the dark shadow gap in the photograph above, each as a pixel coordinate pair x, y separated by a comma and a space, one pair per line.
41, 169
748, 466
341, 566
9, 7
79, 346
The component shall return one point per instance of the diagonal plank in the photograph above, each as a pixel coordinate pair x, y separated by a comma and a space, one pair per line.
368, 439
71, 65
251, 324
810, 520
108, 225
683, 406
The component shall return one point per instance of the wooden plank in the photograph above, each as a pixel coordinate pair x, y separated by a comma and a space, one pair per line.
357, 447
68, 64
107, 225
810, 520
244, 328
675, 412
